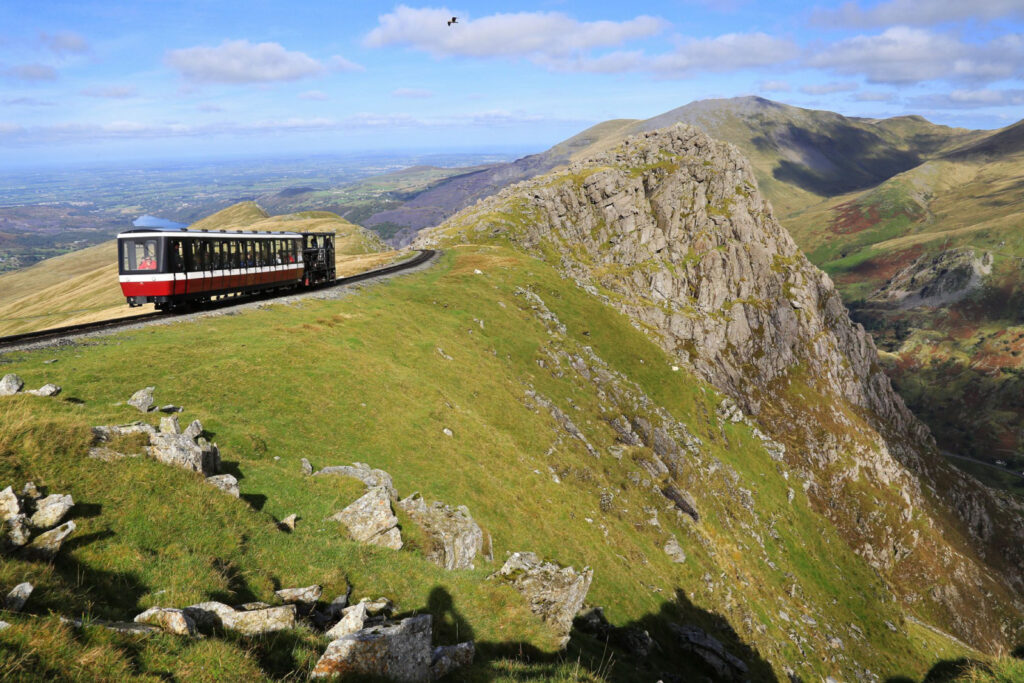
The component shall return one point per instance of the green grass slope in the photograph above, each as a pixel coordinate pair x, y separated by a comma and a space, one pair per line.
363, 379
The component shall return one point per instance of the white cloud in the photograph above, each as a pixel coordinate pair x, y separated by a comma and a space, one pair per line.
239, 61
909, 55
875, 96
339, 63
65, 42
111, 91
30, 72
725, 53
971, 99
774, 86
413, 93
313, 95
534, 35
917, 12
828, 88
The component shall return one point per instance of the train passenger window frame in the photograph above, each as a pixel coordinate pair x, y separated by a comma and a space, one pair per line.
214, 255
135, 252
176, 256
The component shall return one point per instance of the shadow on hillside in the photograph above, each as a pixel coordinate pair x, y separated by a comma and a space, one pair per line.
238, 590
945, 671
614, 656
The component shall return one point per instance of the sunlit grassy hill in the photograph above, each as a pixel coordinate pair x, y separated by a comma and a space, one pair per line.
82, 286
377, 377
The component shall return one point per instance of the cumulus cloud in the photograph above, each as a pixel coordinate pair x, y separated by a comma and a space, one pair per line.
774, 86
917, 12
118, 92
413, 93
534, 35
30, 72
909, 55
313, 95
971, 99
239, 61
828, 88
725, 53
64, 42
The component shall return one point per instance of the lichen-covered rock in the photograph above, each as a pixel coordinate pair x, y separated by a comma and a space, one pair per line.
692, 639
371, 520
169, 620
126, 627
674, 550
364, 473
10, 506
142, 399
47, 544
553, 592
18, 596
45, 390
30, 492
225, 482
257, 621
935, 280
400, 652
352, 620
307, 468
455, 535
305, 597
180, 450
288, 523
50, 510
10, 384
16, 533
448, 658
170, 425
209, 615
194, 430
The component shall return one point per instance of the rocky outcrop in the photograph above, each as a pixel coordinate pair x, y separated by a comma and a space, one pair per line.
364, 473
933, 281
694, 640
455, 537
554, 593
247, 622
400, 652
31, 513
170, 445
371, 520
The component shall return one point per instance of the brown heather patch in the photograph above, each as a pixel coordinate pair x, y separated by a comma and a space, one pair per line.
850, 218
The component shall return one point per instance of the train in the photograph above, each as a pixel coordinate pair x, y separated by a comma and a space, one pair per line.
179, 268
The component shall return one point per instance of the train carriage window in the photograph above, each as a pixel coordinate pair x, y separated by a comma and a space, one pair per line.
176, 252
140, 255
214, 255
192, 255
235, 256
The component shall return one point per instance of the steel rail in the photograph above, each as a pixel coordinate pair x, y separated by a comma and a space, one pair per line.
76, 330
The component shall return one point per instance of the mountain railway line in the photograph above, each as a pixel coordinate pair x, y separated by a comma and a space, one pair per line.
57, 334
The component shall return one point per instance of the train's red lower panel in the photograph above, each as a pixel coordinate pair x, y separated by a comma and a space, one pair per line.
201, 284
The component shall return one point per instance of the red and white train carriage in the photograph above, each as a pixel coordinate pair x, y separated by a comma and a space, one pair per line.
173, 268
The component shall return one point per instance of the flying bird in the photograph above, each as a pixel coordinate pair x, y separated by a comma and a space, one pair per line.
453, 20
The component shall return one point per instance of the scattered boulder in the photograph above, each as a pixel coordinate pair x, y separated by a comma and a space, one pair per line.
182, 450
10, 506
194, 430
226, 483
307, 468
18, 596
170, 425
709, 650
16, 533
682, 500
634, 640
168, 619
364, 473
288, 523
371, 520
352, 620
209, 615
257, 621
400, 652
555, 593
50, 510
3, 624
45, 390
128, 627
10, 384
47, 544
303, 598
381, 607
142, 399
674, 550
446, 659
30, 492
456, 537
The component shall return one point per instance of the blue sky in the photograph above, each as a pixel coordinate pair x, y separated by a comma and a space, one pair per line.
112, 80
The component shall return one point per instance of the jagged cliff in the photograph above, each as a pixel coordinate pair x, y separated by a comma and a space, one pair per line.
671, 229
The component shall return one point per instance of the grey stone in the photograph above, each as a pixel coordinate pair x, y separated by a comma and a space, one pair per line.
695, 640
456, 537
3, 624
288, 523
169, 620
400, 652
45, 390
225, 482
170, 425
194, 430
126, 627
250, 606
10, 506
364, 473
180, 450
449, 658
142, 399
674, 550
266, 620
379, 607
370, 519
47, 544
170, 408
51, 510
553, 592
16, 532
209, 615
303, 597
10, 385
307, 468
30, 492
352, 620
18, 596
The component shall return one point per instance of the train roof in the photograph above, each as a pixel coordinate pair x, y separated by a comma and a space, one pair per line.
166, 232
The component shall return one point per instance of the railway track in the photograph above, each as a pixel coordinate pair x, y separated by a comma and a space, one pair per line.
70, 331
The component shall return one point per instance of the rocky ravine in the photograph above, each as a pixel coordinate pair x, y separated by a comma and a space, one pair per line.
671, 229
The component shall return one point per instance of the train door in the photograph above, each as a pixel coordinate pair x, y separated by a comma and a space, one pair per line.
176, 266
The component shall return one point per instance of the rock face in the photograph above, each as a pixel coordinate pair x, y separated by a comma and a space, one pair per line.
400, 653
554, 593
370, 519
10, 384
456, 537
694, 640
937, 280
171, 446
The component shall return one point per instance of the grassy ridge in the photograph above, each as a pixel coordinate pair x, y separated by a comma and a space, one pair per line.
361, 379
